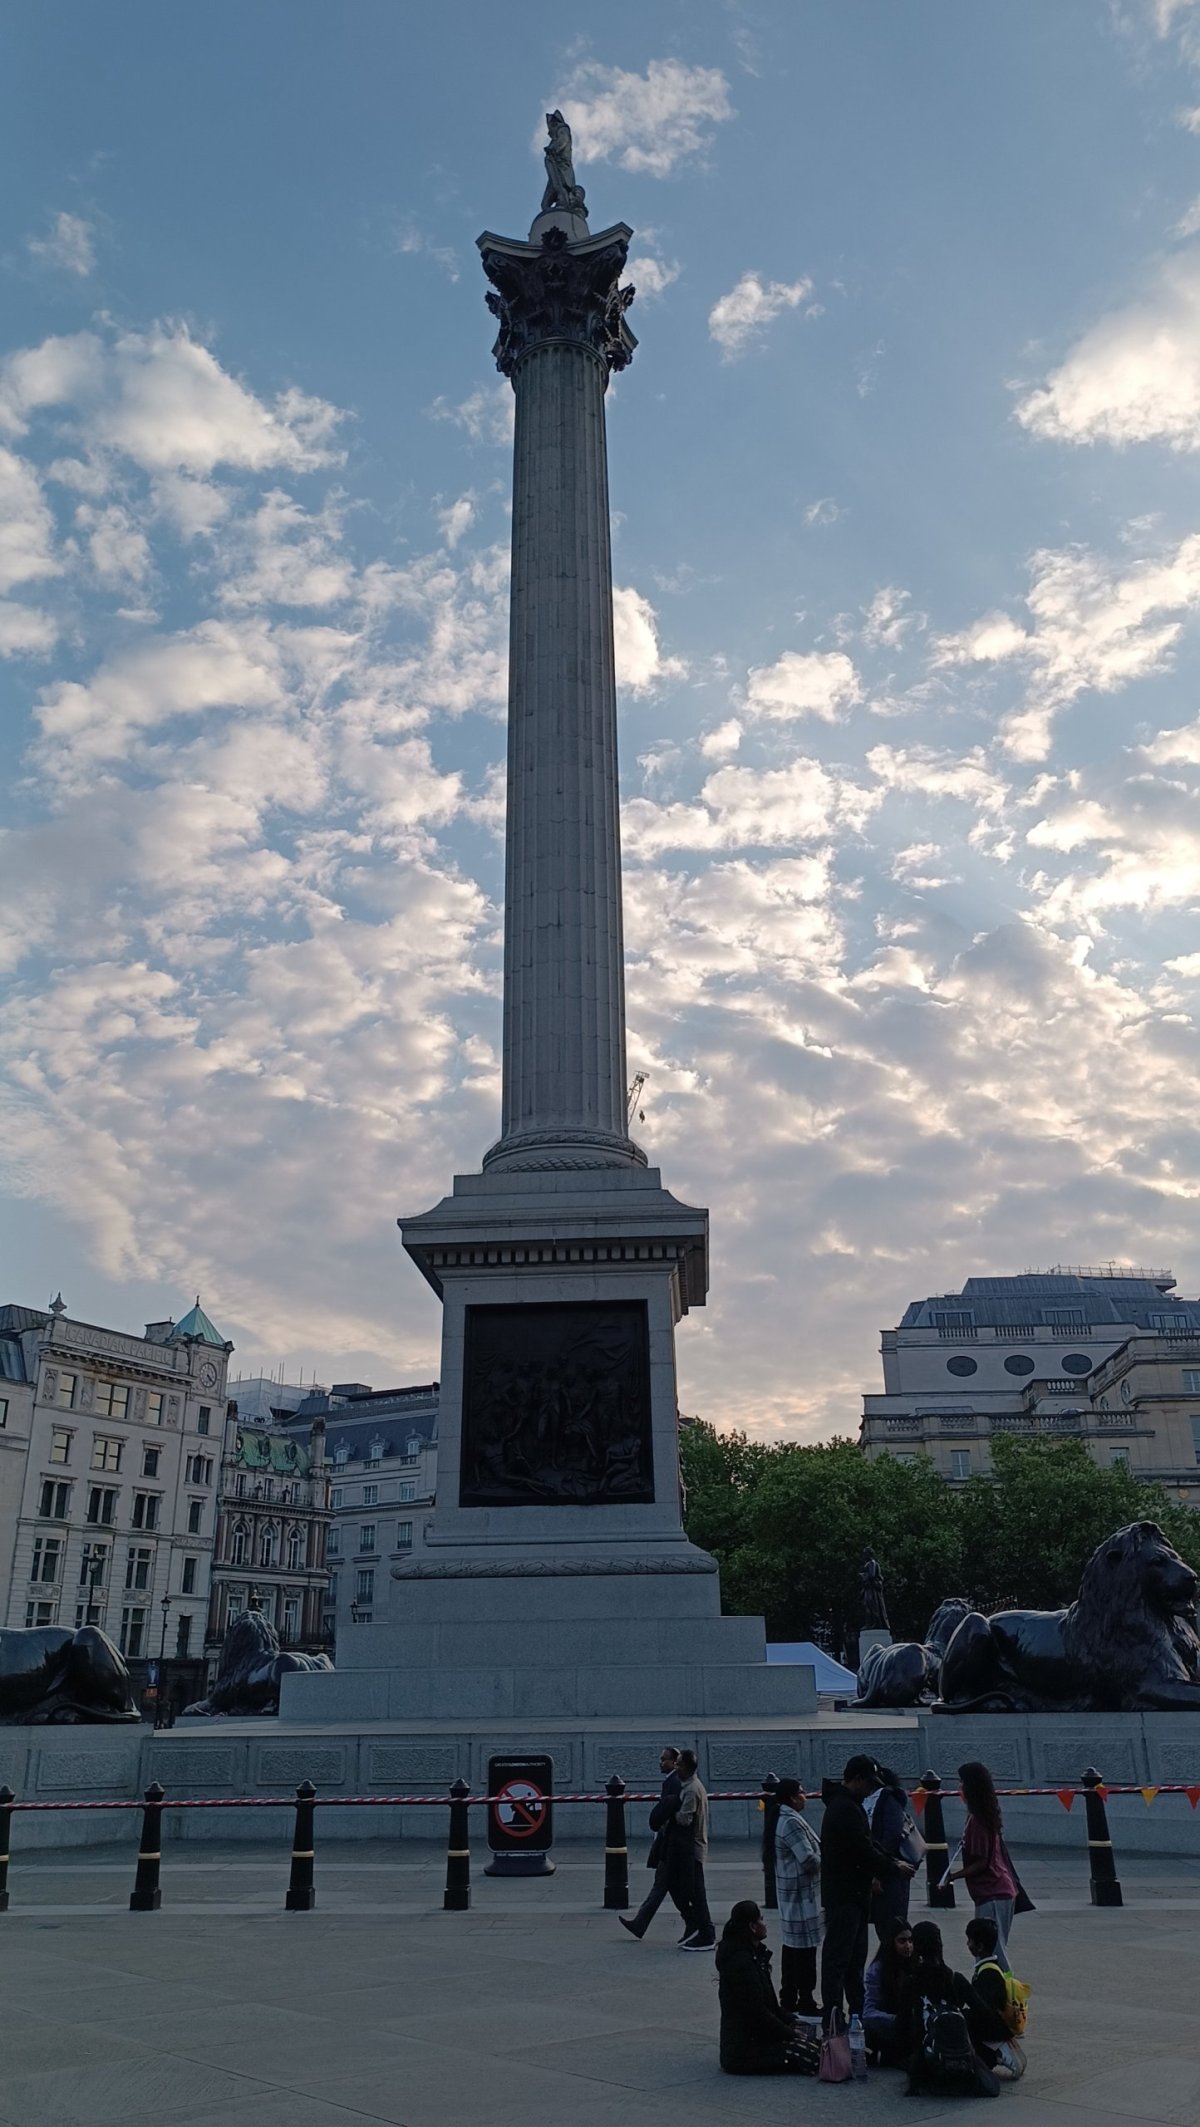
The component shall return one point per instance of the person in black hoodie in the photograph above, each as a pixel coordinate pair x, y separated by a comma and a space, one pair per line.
662, 1817
889, 1815
756, 2037
934, 1999
852, 1867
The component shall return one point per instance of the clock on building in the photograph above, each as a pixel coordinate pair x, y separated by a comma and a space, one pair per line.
208, 1375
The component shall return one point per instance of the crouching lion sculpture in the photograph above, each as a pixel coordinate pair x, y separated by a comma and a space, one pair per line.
1127, 1644
908, 1673
251, 1665
50, 1674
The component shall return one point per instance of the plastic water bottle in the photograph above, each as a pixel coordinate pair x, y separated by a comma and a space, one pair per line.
858, 2050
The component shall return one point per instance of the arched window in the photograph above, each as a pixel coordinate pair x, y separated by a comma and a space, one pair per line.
266, 1544
241, 1539
295, 1548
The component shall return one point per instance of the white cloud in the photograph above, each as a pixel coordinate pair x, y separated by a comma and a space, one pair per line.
486, 416
887, 623
723, 743
652, 276
26, 525
823, 511
748, 808
456, 519
117, 548
640, 663
648, 123
283, 555
24, 631
743, 315
1135, 376
68, 246
930, 771
411, 240
821, 683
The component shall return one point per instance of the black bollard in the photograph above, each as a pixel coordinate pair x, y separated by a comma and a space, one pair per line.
146, 1896
937, 1849
616, 1852
301, 1897
457, 1896
7, 1798
770, 1809
1102, 1862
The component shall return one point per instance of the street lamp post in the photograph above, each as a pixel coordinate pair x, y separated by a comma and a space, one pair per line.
161, 1702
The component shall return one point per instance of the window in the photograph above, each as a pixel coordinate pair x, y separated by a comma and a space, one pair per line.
241, 1539
1119, 1458
47, 1557
93, 1565
183, 1638
234, 1607
404, 1531
334, 1544
370, 1495
102, 1504
150, 1461
375, 1451
291, 1621
106, 1454
65, 1392
240, 1487
1018, 1363
906, 1458
962, 1365
195, 1516
55, 1500
60, 1445
199, 1469
413, 1449
187, 1582
266, 1545
1064, 1317
204, 1418
295, 1550
333, 1589
960, 1463
137, 1566
1191, 1387
39, 1614
956, 1323
145, 1509
341, 1454
1076, 1363
408, 1489
112, 1399
88, 1613
335, 1497
366, 1536
133, 1631
3, 1412
1196, 1435
154, 1404
364, 1586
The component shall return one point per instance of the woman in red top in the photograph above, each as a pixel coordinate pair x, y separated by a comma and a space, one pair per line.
986, 1868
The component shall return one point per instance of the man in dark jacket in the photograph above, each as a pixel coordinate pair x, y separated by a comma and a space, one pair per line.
852, 1866
661, 1820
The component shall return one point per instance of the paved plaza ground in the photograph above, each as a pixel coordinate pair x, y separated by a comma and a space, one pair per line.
532, 2010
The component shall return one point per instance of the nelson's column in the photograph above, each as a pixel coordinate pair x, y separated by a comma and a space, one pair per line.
556, 1579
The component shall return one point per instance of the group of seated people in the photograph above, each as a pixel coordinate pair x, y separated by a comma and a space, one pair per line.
947, 2030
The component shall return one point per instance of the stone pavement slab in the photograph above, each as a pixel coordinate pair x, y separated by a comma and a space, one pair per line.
532, 2010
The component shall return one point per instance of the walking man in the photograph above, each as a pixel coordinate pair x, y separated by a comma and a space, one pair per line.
852, 1866
662, 1824
691, 1822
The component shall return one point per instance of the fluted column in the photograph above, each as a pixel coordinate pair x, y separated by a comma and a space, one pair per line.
562, 328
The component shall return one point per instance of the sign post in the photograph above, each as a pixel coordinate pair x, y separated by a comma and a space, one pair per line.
521, 1817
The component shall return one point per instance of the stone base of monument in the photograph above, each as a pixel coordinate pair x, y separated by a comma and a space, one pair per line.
872, 1636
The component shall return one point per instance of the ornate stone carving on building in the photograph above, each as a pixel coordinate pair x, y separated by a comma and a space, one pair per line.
556, 1405
545, 293
559, 1568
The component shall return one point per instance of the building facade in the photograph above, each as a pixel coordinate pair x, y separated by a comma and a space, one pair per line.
109, 1453
382, 1446
272, 1532
1110, 1356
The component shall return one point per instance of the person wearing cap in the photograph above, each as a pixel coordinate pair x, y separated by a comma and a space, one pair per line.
797, 1872
853, 1866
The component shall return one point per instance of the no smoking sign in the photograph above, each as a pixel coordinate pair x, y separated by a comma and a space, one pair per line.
521, 1816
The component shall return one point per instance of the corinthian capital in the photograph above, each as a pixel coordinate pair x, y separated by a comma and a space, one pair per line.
557, 290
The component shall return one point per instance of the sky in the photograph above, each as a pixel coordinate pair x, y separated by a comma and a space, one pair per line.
907, 557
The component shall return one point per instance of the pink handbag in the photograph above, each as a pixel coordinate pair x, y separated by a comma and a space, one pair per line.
835, 2055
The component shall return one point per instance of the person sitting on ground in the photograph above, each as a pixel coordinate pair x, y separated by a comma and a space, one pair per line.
756, 2037
946, 2033
797, 1870
1002, 1993
884, 1982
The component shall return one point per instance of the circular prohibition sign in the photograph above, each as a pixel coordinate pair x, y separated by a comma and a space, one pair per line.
520, 1809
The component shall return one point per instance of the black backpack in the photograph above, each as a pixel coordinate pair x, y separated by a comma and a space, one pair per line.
949, 2056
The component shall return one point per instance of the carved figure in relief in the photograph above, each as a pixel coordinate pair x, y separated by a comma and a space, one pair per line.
50, 1674
908, 1673
556, 1406
561, 189
251, 1665
1127, 1644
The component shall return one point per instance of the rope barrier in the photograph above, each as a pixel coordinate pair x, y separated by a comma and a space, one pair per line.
1073, 1788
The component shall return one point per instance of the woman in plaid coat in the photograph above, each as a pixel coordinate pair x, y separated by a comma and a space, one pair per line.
797, 1878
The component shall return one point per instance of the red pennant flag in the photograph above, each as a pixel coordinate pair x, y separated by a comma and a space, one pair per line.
1102, 1791
917, 1798
1148, 1794
1066, 1796
1193, 1795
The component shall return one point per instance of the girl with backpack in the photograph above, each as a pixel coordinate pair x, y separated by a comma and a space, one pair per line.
946, 2033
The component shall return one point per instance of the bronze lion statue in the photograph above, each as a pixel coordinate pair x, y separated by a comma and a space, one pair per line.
908, 1673
1127, 1644
50, 1674
250, 1667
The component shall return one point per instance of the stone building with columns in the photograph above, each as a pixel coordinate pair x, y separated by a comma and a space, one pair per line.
109, 1449
272, 1532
